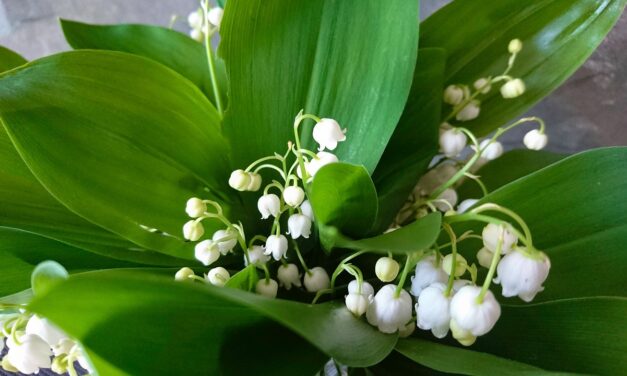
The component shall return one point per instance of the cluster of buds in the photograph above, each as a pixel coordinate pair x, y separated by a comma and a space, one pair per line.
282, 201
34, 344
204, 21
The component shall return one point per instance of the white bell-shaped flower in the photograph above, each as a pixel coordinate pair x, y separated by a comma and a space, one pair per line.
323, 158
255, 182
366, 288
257, 256
195, 207
452, 142
293, 195
460, 264
218, 276
523, 274
197, 35
317, 279
214, 16
207, 252
193, 230
239, 180
388, 312
306, 209
484, 257
63, 347
299, 225
183, 274
469, 111
45, 329
276, 245
513, 88
30, 355
466, 204
288, 275
490, 149
454, 95
427, 272
194, 19
269, 205
225, 239
535, 140
482, 85
514, 46
267, 287
358, 299
491, 234
327, 133
433, 310
476, 317
446, 200
386, 269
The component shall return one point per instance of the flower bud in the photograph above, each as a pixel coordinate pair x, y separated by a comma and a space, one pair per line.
453, 95
293, 195
267, 287
45, 330
327, 133
193, 230
389, 313
462, 336
299, 225
460, 264
269, 205
515, 46
255, 182
428, 271
323, 158
452, 142
194, 19
535, 140
491, 234
484, 257
432, 310
288, 275
276, 245
306, 209
317, 279
239, 180
30, 355
407, 330
356, 303
469, 111
207, 252
522, 274
386, 269
446, 200
466, 204
476, 317
195, 207
183, 274
483, 85
218, 276
513, 88
196, 34
257, 256
214, 16
490, 150
225, 240
6, 365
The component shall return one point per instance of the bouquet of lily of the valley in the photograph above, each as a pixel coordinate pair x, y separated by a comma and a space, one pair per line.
324, 192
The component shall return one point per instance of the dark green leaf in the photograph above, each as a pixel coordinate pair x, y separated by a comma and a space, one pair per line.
245, 279
417, 236
118, 139
343, 196
283, 56
9, 59
47, 275
557, 35
415, 139
168, 47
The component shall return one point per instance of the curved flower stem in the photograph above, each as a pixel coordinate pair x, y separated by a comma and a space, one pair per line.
300, 257
271, 166
493, 264
511, 214
486, 219
299, 118
210, 61
261, 160
401, 281
336, 273
451, 277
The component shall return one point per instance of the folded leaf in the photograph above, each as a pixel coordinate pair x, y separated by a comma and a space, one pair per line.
118, 139
167, 46
557, 35
9, 59
283, 56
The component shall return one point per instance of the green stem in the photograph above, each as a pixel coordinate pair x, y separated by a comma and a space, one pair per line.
486, 219
401, 281
211, 62
493, 264
511, 214
261, 160
451, 277
300, 256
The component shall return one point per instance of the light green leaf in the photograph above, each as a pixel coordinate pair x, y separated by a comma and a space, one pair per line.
416, 236
343, 196
9, 59
557, 35
245, 279
200, 329
166, 46
118, 139
283, 56
47, 275
415, 140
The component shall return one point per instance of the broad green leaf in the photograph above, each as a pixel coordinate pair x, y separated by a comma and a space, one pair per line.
576, 335
46, 276
416, 236
461, 361
118, 139
507, 168
414, 142
9, 59
284, 56
245, 279
557, 35
168, 47
576, 212
200, 329
343, 196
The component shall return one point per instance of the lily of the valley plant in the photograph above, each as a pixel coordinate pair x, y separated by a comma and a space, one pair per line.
324, 191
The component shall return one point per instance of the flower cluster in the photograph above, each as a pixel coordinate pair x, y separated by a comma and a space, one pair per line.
282, 201
35, 343
204, 21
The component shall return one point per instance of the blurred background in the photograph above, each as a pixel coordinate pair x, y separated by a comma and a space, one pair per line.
588, 111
